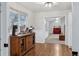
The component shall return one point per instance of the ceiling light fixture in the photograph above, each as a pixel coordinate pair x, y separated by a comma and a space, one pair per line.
49, 4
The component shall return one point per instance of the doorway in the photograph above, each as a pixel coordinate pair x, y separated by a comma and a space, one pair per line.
56, 28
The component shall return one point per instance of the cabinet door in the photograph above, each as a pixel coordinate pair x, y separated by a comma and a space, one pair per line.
22, 43
29, 41
14, 46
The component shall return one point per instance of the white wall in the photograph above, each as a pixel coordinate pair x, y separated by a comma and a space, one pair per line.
39, 23
4, 29
66, 29
75, 26
70, 29
4, 23
62, 24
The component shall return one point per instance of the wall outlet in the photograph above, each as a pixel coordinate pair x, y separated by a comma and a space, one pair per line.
5, 45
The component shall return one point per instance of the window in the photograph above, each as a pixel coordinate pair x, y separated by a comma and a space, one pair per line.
16, 18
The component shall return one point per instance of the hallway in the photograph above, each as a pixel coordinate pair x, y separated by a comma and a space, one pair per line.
54, 38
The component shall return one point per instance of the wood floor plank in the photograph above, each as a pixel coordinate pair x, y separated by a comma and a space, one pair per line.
48, 49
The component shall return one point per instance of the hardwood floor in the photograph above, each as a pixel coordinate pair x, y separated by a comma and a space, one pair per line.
47, 49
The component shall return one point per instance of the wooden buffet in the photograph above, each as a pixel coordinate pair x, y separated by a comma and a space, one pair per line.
21, 44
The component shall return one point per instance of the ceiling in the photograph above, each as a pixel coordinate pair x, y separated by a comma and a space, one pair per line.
37, 6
